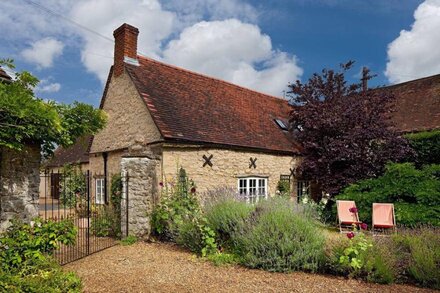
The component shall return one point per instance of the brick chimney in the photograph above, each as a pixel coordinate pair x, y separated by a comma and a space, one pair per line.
125, 47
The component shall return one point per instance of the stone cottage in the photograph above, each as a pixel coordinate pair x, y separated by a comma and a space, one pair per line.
222, 134
162, 117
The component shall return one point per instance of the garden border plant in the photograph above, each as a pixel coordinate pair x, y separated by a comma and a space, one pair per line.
25, 257
279, 235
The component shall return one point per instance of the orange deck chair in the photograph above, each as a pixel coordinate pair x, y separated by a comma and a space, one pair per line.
383, 216
345, 217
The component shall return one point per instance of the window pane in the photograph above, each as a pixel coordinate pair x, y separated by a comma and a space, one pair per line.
99, 196
252, 186
242, 186
262, 187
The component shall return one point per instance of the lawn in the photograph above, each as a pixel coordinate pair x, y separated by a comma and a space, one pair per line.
161, 267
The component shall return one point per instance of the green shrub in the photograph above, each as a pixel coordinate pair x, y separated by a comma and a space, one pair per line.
275, 238
178, 204
197, 236
23, 242
25, 263
361, 257
73, 188
427, 146
129, 240
353, 257
415, 194
227, 217
40, 276
222, 259
105, 222
115, 201
283, 187
381, 264
421, 248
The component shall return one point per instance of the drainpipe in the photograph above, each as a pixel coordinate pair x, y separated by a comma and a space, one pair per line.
105, 156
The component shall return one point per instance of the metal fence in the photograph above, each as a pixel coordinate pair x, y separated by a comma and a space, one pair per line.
92, 202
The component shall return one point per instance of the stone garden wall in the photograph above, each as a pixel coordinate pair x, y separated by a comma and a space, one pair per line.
142, 193
19, 184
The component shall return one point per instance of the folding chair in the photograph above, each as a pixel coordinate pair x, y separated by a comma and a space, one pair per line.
383, 216
347, 218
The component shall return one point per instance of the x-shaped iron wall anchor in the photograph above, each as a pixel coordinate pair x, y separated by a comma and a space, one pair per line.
253, 163
207, 160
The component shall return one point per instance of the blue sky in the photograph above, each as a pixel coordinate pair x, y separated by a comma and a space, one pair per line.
258, 44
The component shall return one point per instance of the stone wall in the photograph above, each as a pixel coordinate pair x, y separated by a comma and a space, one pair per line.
128, 118
142, 194
19, 187
228, 166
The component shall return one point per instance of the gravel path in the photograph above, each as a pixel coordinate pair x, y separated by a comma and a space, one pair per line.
158, 267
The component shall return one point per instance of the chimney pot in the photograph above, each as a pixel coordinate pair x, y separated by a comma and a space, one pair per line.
125, 47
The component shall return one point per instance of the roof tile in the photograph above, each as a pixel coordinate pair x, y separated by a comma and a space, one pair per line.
193, 107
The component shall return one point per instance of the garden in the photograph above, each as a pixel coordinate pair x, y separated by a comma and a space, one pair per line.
278, 235
352, 151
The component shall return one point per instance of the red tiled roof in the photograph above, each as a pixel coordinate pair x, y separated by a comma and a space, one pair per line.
191, 107
75, 154
417, 104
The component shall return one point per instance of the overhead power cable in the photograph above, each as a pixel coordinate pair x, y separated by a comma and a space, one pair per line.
50, 11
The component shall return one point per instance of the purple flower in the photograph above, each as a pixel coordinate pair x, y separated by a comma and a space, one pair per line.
161, 184
193, 190
364, 226
353, 210
350, 235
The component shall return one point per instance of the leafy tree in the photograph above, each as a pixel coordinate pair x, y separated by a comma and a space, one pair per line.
344, 129
25, 118
414, 192
426, 145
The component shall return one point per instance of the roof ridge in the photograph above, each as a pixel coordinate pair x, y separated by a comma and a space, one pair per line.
212, 78
410, 81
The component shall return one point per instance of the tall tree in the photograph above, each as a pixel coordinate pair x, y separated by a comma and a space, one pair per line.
345, 129
27, 119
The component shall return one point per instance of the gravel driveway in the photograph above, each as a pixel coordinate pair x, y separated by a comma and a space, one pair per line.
158, 267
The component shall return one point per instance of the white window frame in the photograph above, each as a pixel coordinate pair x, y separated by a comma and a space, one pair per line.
252, 188
99, 191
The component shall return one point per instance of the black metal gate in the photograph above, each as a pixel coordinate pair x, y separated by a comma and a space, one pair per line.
83, 199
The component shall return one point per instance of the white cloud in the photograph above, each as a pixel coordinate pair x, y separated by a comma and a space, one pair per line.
234, 51
43, 52
45, 86
190, 12
415, 52
170, 30
105, 16
20, 20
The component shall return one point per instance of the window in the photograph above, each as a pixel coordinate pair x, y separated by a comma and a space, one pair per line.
281, 124
252, 188
99, 195
302, 189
